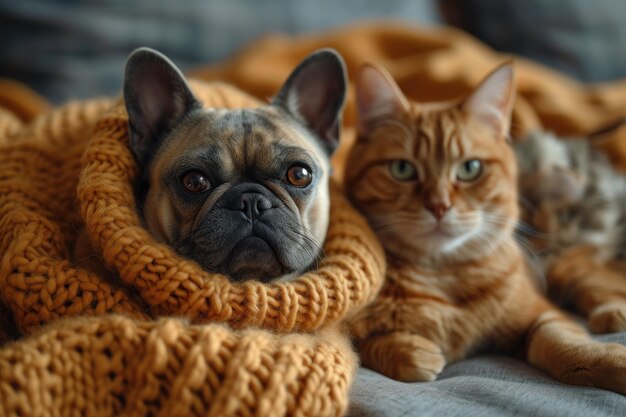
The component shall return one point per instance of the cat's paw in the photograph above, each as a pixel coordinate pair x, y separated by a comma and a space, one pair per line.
603, 365
608, 318
404, 357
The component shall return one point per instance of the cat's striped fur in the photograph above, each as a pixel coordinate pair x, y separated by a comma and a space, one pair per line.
457, 281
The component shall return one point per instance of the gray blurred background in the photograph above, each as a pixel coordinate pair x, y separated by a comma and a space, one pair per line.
77, 48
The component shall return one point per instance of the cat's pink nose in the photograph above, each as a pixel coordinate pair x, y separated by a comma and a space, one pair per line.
438, 209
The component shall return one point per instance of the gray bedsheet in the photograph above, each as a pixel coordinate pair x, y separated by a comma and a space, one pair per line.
486, 385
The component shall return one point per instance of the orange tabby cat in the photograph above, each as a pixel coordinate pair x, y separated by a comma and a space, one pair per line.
437, 182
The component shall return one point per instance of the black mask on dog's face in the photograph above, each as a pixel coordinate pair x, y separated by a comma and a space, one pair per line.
242, 192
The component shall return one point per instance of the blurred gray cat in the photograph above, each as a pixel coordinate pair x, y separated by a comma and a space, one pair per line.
576, 203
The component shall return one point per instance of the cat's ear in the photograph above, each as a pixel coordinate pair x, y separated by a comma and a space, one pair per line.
157, 96
378, 97
492, 101
315, 93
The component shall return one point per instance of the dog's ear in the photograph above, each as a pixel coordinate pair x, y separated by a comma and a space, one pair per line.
315, 93
157, 97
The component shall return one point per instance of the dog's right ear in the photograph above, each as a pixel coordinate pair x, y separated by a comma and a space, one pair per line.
157, 97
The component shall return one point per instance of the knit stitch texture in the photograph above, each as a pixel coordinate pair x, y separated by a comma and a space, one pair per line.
276, 349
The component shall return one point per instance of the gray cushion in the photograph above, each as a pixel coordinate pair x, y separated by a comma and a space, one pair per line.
483, 386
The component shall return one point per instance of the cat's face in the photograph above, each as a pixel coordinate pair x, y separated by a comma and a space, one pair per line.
436, 182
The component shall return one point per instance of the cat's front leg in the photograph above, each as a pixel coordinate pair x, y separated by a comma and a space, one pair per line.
402, 356
564, 350
597, 289
608, 317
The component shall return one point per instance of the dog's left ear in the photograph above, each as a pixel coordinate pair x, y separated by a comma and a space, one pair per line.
315, 93
157, 97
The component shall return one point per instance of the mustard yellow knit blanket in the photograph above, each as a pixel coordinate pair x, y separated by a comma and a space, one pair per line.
164, 337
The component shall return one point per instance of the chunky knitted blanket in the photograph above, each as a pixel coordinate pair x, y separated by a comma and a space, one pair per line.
113, 347
123, 364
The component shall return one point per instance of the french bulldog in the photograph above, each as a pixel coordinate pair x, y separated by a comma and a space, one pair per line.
243, 192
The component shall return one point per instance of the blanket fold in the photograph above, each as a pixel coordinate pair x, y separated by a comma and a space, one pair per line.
114, 365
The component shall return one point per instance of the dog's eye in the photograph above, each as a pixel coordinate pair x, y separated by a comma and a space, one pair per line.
195, 182
299, 176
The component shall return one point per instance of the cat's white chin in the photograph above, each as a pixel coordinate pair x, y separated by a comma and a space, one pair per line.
442, 241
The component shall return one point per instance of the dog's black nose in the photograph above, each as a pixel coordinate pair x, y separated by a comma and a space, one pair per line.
252, 204
248, 198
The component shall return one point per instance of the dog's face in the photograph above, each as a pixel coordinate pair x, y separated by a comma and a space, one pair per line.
242, 192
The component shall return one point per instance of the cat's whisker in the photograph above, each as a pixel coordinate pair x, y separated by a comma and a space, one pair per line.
528, 230
526, 249
532, 258
490, 237
525, 203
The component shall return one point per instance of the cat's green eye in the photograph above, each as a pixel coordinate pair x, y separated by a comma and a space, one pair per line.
469, 170
402, 170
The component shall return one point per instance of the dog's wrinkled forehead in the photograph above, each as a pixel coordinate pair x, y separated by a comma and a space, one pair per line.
239, 141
